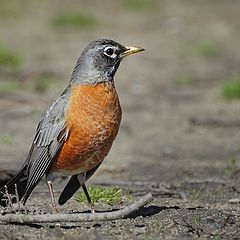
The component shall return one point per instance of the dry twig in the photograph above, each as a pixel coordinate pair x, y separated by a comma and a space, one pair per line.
77, 217
214, 122
17, 196
9, 199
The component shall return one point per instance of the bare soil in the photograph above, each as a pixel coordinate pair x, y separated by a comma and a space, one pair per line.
178, 141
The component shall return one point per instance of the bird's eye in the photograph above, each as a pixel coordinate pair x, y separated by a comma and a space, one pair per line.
109, 51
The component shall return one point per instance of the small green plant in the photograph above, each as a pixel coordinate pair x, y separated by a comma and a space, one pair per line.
203, 48
182, 79
197, 220
230, 167
194, 194
231, 89
9, 58
139, 5
46, 226
100, 194
74, 19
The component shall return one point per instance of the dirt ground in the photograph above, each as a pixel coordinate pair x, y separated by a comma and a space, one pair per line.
179, 137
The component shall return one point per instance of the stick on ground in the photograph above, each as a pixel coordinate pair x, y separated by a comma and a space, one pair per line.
77, 217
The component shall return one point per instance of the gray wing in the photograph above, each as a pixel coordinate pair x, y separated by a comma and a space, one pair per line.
50, 135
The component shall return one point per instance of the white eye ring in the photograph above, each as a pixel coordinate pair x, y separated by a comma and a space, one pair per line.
110, 52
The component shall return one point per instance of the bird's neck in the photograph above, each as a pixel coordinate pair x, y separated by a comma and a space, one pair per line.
86, 73
104, 92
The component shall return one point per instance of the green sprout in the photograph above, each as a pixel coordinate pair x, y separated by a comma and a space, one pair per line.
197, 220
194, 194
100, 194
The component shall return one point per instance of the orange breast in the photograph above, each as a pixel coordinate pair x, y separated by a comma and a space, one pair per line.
93, 120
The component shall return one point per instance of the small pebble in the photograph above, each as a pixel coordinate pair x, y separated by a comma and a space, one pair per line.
234, 200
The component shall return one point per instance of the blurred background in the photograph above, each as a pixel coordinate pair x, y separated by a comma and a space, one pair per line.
180, 98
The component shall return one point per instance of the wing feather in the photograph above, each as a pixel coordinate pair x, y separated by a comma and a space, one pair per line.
50, 135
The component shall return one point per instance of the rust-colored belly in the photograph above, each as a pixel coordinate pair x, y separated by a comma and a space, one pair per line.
93, 120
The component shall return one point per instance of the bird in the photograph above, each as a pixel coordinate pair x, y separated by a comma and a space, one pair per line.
77, 131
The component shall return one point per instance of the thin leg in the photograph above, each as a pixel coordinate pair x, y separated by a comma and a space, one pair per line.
88, 197
50, 188
82, 180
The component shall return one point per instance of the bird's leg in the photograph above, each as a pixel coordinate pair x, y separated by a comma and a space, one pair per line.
82, 180
88, 197
49, 179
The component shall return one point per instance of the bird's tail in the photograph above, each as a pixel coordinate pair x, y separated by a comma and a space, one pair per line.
73, 185
17, 183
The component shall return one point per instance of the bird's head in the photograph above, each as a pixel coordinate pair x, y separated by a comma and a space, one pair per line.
100, 60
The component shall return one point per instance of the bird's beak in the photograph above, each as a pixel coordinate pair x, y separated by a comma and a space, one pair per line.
130, 51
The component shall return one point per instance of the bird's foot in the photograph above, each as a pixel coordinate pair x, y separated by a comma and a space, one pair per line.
55, 210
92, 208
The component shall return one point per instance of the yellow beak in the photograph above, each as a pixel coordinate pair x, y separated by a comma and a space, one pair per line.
130, 51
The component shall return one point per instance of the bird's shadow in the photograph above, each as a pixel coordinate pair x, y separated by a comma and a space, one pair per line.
149, 211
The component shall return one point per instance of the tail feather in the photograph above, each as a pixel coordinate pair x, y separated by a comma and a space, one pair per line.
20, 179
73, 185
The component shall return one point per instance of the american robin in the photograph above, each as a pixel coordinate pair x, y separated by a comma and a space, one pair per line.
76, 133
